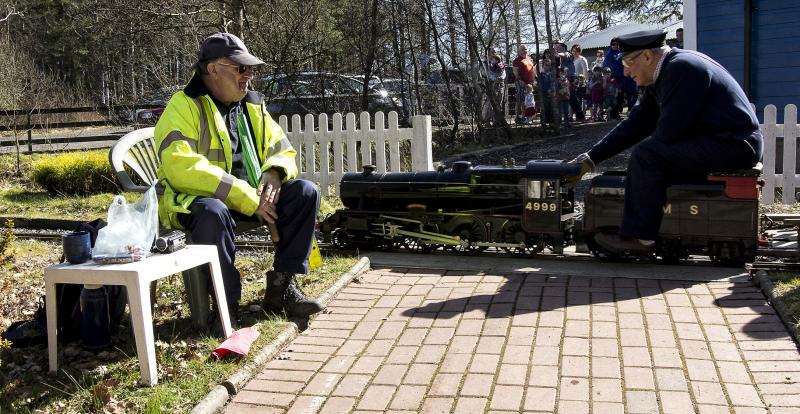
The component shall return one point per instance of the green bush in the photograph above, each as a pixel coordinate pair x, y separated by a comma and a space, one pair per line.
75, 173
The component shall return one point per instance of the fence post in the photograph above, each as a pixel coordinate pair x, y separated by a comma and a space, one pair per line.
30, 131
324, 154
380, 142
350, 139
769, 129
308, 147
394, 142
364, 134
789, 153
338, 153
421, 145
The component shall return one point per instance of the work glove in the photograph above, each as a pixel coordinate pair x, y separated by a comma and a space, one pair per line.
586, 166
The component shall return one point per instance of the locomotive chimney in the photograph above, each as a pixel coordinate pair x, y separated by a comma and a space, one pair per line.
368, 169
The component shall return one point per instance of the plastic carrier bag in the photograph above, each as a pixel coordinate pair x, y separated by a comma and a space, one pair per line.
131, 228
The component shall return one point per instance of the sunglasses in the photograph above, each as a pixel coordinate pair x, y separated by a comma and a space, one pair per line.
626, 61
242, 69
615, 44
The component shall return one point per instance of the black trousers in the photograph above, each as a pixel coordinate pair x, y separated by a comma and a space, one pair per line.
575, 104
654, 165
211, 222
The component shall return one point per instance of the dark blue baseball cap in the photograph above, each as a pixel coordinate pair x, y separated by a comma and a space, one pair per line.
225, 45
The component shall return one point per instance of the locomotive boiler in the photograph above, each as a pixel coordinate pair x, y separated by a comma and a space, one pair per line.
464, 208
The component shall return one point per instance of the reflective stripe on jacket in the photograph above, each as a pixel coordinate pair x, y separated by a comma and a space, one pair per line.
193, 144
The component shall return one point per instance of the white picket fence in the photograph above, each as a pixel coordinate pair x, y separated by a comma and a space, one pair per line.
357, 145
788, 181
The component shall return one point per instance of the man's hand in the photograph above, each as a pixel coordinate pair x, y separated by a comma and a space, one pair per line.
269, 189
586, 166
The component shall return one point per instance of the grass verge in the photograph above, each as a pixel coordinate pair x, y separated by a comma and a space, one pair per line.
787, 290
107, 381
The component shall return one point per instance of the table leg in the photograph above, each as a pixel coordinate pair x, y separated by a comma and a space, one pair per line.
52, 324
142, 318
219, 292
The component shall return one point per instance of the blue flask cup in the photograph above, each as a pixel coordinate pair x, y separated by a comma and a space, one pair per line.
77, 247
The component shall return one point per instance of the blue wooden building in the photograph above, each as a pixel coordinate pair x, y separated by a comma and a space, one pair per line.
758, 41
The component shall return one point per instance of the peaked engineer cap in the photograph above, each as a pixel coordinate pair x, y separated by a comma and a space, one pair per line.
226, 45
645, 39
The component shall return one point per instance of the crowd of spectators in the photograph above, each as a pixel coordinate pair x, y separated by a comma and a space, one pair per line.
566, 80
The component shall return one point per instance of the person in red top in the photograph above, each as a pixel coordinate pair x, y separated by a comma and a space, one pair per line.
524, 72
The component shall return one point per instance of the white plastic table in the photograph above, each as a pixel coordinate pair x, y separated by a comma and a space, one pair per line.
136, 277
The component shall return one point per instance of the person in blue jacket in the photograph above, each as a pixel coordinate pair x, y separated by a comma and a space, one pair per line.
692, 119
626, 92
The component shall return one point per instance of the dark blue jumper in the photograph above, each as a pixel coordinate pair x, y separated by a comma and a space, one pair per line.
693, 120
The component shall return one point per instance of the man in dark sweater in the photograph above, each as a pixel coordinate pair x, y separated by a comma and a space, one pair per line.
692, 119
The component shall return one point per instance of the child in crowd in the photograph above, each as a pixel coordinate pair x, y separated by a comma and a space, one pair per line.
545, 85
530, 104
610, 90
563, 93
581, 90
596, 91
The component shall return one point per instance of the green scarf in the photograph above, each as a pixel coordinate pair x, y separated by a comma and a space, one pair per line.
249, 155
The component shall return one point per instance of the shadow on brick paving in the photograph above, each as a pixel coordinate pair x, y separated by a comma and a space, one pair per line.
526, 293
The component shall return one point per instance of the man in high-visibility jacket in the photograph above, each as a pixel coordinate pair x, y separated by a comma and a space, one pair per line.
224, 160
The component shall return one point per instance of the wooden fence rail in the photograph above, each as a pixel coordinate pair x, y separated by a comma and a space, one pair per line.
28, 120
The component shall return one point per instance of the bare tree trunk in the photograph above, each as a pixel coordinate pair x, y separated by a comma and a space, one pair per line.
223, 23
517, 24
369, 61
555, 20
602, 20
540, 94
507, 56
553, 69
446, 73
237, 18
451, 30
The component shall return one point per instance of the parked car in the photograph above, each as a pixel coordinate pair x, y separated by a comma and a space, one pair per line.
322, 92
149, 109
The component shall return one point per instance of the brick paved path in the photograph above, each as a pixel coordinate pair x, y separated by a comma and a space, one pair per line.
434, 342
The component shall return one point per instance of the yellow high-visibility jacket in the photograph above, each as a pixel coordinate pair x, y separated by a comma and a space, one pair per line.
195, 151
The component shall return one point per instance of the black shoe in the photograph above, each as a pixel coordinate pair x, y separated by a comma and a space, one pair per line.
283, 294
615, 244
297, 303
215, 324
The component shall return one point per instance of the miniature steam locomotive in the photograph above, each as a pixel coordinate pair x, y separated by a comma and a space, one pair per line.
525, 209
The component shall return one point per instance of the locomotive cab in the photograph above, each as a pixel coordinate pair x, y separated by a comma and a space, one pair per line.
549, 205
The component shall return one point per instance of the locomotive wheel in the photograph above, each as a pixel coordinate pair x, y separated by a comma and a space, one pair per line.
727, 254
340, 239
415, 246
472, 232
513, 233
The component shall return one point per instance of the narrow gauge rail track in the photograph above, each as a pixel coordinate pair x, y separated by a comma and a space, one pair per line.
783, 253
55, 237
